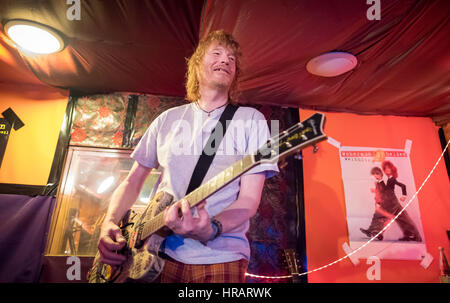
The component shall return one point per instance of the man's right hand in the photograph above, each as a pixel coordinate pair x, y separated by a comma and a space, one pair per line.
111, 241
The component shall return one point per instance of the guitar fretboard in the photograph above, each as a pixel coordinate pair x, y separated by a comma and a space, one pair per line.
296, 137
203, 191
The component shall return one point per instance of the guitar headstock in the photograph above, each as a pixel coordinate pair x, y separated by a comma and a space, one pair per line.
298, 136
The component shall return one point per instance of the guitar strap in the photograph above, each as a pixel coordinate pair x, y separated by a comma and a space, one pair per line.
212, 145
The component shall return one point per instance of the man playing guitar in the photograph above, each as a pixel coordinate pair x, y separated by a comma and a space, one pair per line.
208, 243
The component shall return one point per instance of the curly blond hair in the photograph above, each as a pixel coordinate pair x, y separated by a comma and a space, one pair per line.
193, 64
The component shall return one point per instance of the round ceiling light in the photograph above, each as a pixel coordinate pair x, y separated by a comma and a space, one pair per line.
331, 64
34, 37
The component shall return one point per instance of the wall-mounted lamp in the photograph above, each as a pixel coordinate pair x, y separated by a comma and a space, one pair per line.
34, 37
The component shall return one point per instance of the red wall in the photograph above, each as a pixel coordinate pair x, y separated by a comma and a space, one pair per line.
325, 211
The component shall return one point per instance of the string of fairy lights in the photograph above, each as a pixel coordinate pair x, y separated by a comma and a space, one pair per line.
365, 244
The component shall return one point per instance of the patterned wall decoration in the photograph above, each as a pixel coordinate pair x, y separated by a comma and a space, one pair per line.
98, 120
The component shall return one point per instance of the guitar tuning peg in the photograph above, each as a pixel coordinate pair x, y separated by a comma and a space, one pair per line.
282, 164
315, 148
298, 155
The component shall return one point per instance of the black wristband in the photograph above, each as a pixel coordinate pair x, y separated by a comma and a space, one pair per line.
217, 229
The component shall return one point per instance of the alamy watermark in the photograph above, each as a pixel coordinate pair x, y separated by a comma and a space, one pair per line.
246, 134
374, 11
74, 10
374, 271
74, 270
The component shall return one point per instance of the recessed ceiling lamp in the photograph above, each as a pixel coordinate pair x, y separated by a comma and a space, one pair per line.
331, 64
34, 37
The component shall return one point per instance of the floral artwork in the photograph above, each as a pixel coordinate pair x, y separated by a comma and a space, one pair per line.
99, 120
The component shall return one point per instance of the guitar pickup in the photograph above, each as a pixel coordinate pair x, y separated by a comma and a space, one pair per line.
315, 148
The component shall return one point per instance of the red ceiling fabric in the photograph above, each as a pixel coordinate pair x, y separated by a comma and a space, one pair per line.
141, 46
403, 58
12, 67
15, 76
135, 46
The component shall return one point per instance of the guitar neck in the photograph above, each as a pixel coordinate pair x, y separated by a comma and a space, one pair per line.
296, 137
204, 191
220, 180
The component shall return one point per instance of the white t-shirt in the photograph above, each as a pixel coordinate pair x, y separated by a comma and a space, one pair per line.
174, 141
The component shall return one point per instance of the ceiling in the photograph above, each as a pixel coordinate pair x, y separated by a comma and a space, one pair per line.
140, 46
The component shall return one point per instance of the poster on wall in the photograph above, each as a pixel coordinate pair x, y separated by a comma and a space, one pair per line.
378, 184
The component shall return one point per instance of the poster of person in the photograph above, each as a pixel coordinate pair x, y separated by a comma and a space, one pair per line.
378, 184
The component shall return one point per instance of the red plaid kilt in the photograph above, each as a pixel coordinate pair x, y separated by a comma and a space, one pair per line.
229, 272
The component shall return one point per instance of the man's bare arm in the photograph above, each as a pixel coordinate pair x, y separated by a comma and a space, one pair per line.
111, 239
246, 205
127, 193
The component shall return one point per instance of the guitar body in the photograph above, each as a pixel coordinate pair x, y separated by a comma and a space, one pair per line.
142, 264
